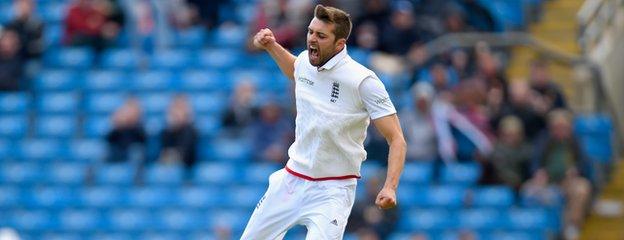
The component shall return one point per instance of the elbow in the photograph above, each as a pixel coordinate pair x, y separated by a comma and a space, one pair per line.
400, 144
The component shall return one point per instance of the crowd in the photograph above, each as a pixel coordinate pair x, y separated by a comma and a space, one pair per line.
458, 107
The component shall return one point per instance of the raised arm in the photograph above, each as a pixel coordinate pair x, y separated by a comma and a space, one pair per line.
390, 128
265, 39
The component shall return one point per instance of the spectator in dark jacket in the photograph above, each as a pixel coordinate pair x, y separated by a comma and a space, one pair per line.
11, 64
272, 134
541, 82
560, 155
28, 28
179, 139
127, 139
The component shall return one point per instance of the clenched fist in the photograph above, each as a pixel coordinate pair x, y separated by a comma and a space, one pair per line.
263, 38
386, 198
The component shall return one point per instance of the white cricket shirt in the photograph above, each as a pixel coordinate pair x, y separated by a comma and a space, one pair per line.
334, 105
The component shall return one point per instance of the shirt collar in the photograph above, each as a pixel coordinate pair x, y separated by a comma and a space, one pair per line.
334, 60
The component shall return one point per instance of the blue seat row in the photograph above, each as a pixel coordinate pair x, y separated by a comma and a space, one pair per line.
480, 219
129, 220
158, 80
483, 235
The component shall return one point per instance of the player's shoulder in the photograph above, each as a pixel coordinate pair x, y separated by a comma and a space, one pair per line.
353, 65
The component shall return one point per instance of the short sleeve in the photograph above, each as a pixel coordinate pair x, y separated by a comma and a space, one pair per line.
375, 98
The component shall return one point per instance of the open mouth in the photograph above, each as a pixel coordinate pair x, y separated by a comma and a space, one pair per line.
313, 52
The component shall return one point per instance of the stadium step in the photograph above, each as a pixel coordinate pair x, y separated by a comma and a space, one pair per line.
607, 227
558, 29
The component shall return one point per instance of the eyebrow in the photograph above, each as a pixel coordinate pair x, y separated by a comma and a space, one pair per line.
319, 32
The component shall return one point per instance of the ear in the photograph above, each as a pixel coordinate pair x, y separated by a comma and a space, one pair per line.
340, 44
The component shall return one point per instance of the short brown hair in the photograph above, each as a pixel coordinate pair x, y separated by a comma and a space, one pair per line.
340, 19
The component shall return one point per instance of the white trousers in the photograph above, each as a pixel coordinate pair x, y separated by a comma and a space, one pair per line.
322, 206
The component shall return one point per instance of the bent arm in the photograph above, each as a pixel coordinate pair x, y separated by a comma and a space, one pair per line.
390, 128
265, 39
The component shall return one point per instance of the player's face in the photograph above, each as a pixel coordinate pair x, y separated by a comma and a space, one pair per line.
322, 43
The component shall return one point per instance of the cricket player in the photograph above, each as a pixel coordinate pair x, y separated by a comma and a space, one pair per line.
335, 98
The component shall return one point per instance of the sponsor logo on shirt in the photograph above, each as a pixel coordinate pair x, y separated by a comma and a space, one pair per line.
335, 91
306, 81
383, 101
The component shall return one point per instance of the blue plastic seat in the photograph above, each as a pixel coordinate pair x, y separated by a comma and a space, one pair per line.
200, 81
131, 220
74, 57
418, 173
122, 59
7, 150
370, 169
200, 197
216, 173
214, 103
517, 235
530, 219
595, 133
103, 197
427, 219
259, 173
261, 78
96, 126
53, 33
42, 149
32, 220
191, 38
14, 102
13, 126
225, 58
53, 197
58, 126
156, 80
180, 220
80, 220
441, 196
52, 11
156, 103
111, 236
57, 80
481, 219
231, 150
228, 36
58, 103
11, 196
461, 173
501, 196
66, 173
164, 174
150, 235
20, 173
172, 59
104, 103
208, 125
88, 150
155, 123
232, 219
106, 81
115, 174
151, 197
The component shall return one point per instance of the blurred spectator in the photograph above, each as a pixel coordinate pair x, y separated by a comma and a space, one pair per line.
469, 100
561, 156
539, 192
542, 83
272, 134
11, 64
511, 156
460, 64
367, 27
208, 13
525, 106
367, 219
127, 138
284, 17
478, 18
28, 28
242, 110
418, 125
179, 139
401, 33
93, 23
